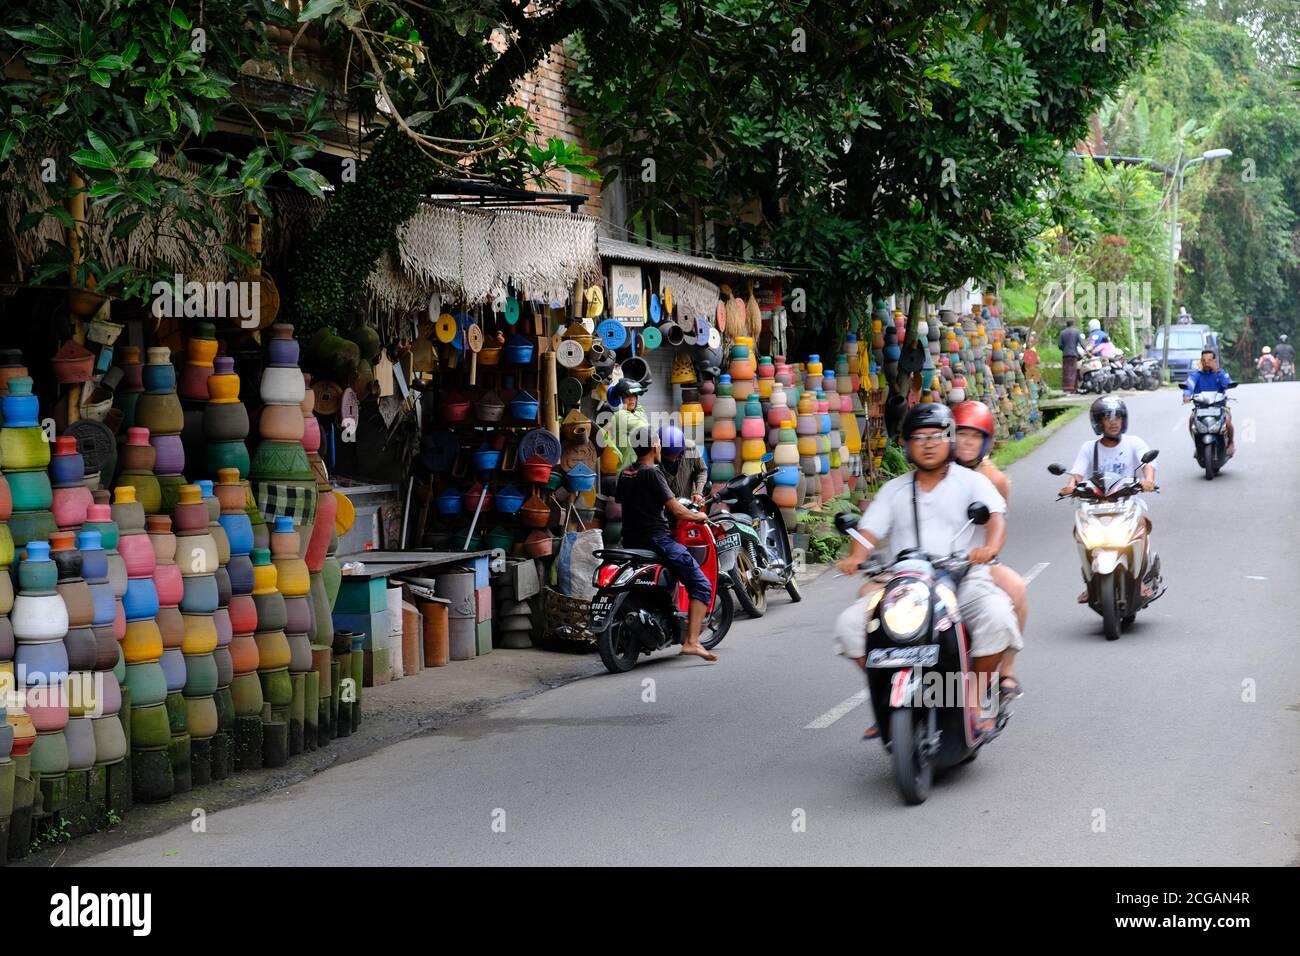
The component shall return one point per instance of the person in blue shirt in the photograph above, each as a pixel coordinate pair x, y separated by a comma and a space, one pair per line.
1209, 378
1096, 334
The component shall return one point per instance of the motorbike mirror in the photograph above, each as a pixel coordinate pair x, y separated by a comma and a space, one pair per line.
1056, 469
1150, 456
1233, 384
845, 522
708, 488
978, 512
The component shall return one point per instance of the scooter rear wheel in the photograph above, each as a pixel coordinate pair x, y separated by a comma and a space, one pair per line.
618, 648
792, 589
751, 590
718, 622
913, 771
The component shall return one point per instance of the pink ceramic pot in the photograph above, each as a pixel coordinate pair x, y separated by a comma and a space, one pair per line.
70, 506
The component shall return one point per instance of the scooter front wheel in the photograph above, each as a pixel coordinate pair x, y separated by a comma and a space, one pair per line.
792, 589
913, 771
1109, 606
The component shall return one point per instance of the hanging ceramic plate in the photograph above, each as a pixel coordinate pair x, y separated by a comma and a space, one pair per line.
540, 442
613, 333
512, 310
720, 317
445, 327
652, 338
474, 336
668, 300
569, 392
346, 514
656, 310
97, 445
714, 339
702, 331
595, 302
569, 354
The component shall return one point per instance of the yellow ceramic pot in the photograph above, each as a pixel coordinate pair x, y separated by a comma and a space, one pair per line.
273, 652
143, 642
200, 634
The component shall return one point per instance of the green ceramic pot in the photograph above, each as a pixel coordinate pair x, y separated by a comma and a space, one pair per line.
24, 448
246, 691
147, 491
31, 490
150, 727
279, 460
161, 413
176, 713
201, 716
50, 753
31, 526
227, 454
147, 683
277, 687
200, 677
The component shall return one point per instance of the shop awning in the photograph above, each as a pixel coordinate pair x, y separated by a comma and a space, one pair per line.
616, 250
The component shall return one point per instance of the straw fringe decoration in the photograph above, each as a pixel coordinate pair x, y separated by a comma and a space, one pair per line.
158, 239
693, 297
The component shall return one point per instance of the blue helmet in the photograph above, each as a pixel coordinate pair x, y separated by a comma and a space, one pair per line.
623, 387
672, 440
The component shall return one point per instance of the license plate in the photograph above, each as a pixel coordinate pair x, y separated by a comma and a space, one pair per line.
729, 541
600, 608
927, 655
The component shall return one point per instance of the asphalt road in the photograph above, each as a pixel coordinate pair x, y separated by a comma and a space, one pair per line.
1141, 751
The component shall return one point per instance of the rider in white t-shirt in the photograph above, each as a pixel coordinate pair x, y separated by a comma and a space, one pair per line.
1117, 456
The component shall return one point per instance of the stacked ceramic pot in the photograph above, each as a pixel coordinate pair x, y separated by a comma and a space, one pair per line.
170, 583
723, 451
283, 482
753, 434
136, 469
131, 387
70, 496
317, 689
9, 705
40, 622
340, 709
245, 688
225, 422
108, 590
192, 389
332, 674
273, 656
159, 410
294, 584
84, 698
26, 456
142, 648
197, 562
220, 745
806, 428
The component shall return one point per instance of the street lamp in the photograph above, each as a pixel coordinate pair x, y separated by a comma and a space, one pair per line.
1179, 170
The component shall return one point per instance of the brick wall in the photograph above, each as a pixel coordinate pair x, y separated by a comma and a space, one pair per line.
543, 94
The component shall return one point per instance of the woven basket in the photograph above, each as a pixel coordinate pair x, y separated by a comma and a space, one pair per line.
564, 611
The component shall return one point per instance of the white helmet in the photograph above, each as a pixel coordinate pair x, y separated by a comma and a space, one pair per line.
1282, 337
1094, 325
1267, 350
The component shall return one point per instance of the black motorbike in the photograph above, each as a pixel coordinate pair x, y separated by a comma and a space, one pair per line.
765, 558
918, 662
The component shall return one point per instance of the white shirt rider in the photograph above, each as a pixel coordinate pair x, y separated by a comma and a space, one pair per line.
1118, 464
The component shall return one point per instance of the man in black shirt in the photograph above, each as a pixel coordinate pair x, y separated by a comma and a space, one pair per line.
647, 501
1069, 342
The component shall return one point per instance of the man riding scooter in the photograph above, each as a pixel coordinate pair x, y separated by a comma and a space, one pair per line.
975, 427
1209, 378
927, 509
1285, 353
1115, 454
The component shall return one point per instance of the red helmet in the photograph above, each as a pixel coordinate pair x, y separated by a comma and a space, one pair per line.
976, 415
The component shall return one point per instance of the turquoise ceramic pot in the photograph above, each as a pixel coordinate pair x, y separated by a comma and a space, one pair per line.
31, 491
147, 683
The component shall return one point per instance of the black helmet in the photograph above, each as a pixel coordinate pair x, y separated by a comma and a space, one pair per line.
929, 415
1108, 406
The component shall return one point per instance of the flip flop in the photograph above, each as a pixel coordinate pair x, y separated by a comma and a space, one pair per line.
1014, 692
872, 732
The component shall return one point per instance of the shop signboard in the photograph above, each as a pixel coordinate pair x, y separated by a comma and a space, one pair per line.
625, 295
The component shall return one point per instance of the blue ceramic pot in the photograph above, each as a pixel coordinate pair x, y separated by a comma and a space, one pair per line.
173, 665
141, 599
200, 595
159, 377
239, 532
67, 469
44, 664
240, 570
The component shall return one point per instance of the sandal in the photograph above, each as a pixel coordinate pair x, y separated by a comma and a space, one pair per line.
1012, 692
872, 732
981, 727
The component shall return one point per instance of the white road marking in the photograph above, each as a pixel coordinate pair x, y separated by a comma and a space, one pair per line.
838, 711
1255, 577
1035, 571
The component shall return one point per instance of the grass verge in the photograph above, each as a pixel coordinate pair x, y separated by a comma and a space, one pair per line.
1015, 450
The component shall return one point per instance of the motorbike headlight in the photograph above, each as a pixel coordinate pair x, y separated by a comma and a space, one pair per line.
905, 609
1113, 534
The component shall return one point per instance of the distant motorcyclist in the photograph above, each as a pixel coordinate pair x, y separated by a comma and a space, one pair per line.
1209, 378
1285, 351
1266, 364
1096, 334
1115, 454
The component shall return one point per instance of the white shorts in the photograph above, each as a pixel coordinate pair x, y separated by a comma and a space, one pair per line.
988, 614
